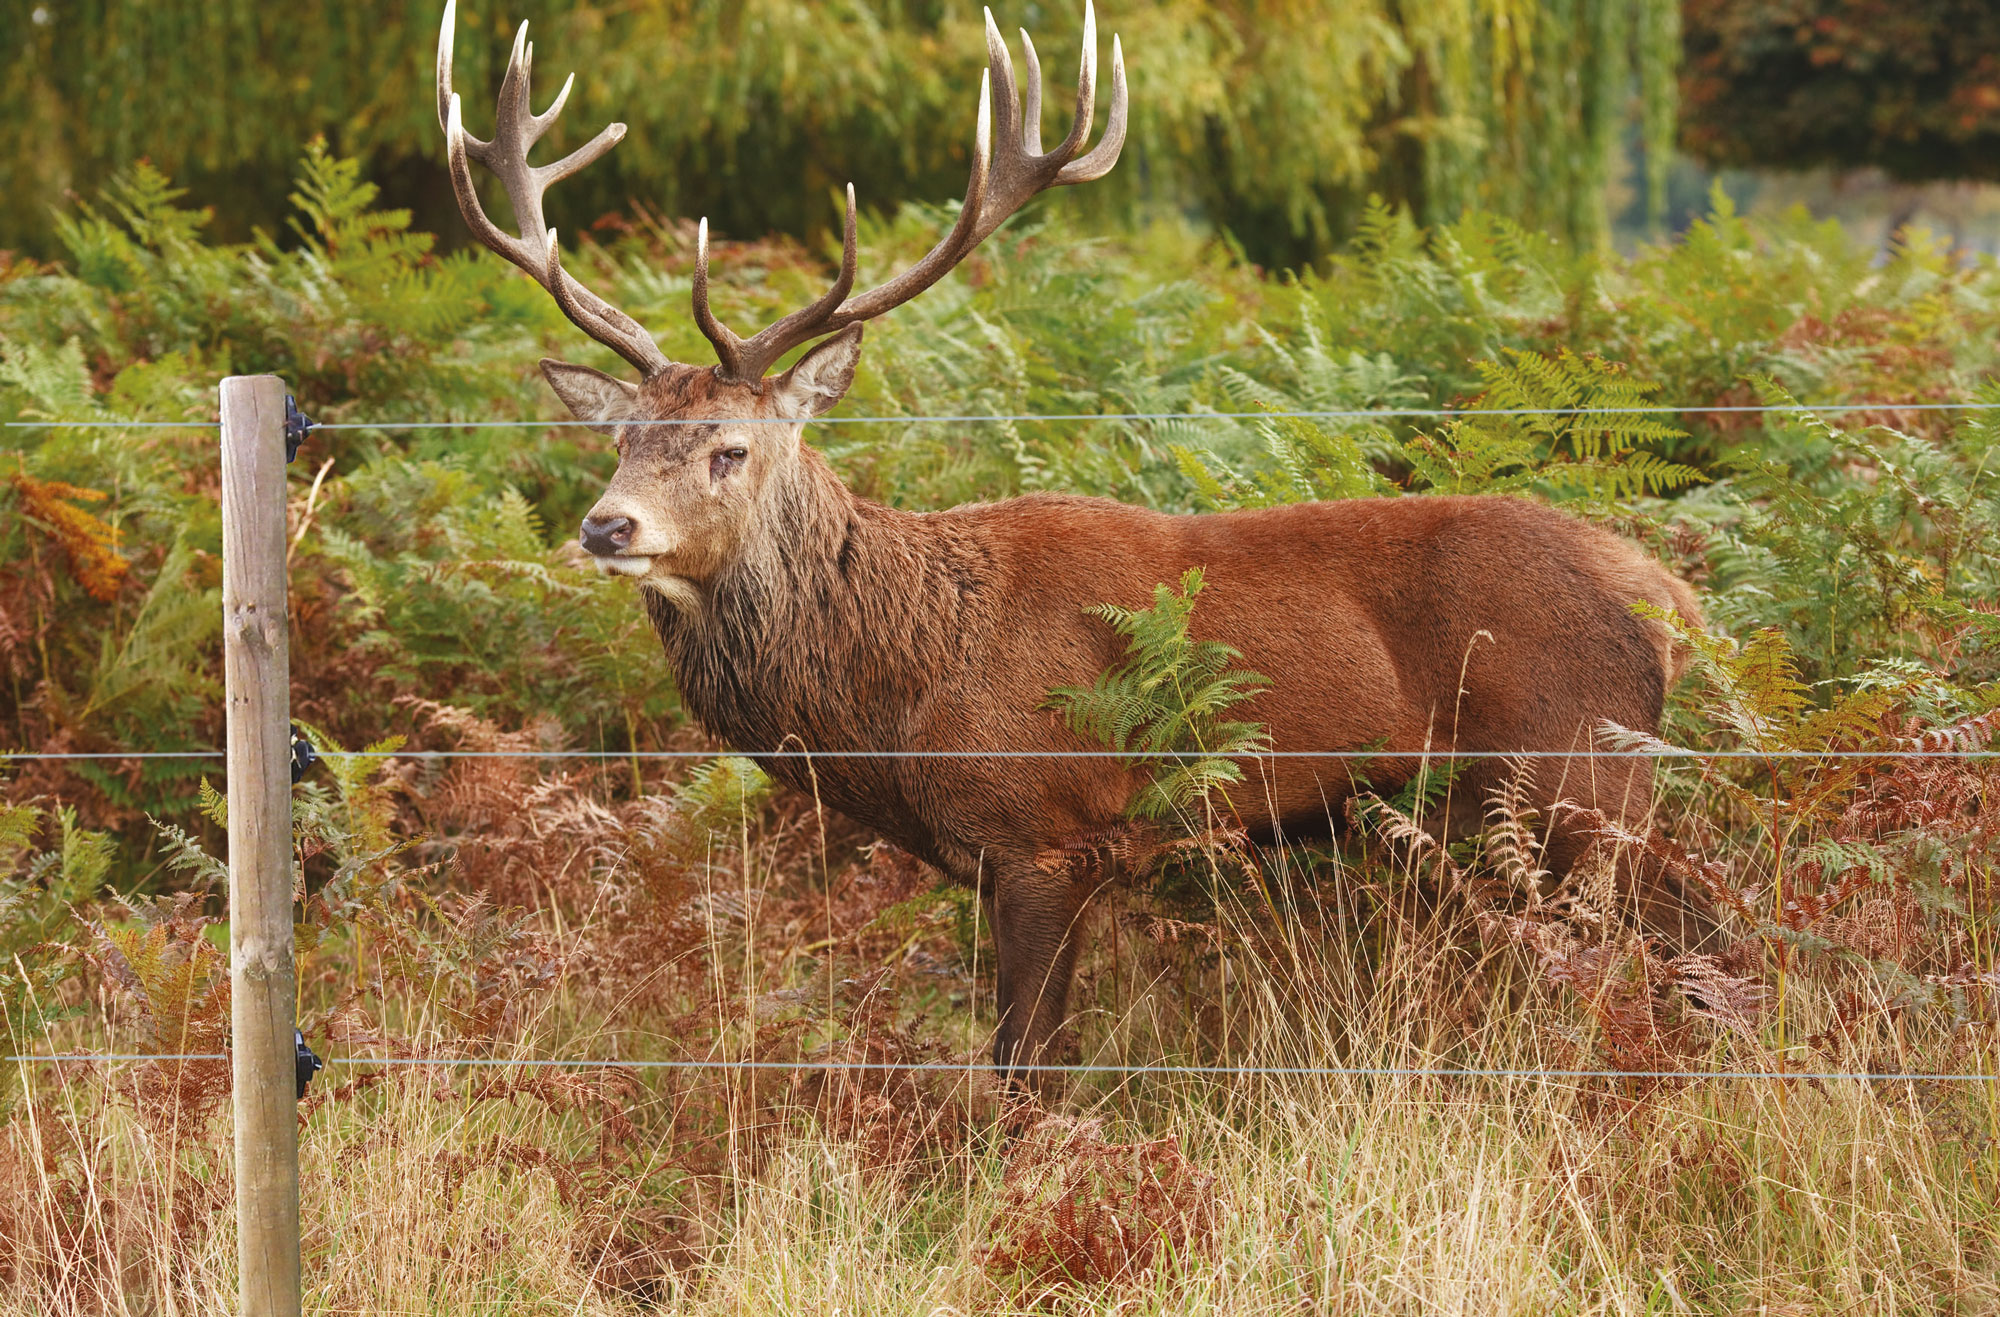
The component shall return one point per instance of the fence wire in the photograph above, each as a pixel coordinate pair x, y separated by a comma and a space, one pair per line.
1674, 754
1346, 414
976, 1067
1219, 1071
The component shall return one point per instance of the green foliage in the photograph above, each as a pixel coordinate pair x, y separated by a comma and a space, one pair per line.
753, 111
1865, 546
430, 561
39, 893
1808, 755
1426, 304
1565, 453
449, 587
422, 569
187, 858
359, 305
347, 823
1756, 697
1308, 461
1163, 706
722, 795
1400, 810
1786, 297
1598, 462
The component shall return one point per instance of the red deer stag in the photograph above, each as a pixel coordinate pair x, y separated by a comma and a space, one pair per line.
796, 614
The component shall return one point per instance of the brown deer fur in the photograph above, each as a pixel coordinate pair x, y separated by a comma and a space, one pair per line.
797, 615
800, 617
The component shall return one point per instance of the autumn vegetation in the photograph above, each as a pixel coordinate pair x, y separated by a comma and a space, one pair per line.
625, 909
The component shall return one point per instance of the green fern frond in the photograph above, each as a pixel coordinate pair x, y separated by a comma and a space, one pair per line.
18, 825
1569, 441
1163, 705
721, 793
54, 377
213, 804
186, 855
37, 903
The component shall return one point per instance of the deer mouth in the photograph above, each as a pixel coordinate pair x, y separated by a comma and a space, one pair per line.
625, 564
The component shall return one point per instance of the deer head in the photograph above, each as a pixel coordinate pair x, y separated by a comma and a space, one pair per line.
701, 449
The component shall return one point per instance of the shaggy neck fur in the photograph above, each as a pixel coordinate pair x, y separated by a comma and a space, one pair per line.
829, 629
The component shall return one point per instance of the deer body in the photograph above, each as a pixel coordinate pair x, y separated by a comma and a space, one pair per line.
799, 617
859, 627
1402, 624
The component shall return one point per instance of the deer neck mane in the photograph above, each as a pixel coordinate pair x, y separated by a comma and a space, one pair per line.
831, 624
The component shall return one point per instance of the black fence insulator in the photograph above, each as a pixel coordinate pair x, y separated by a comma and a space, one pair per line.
309, 1062
303, 756
297, 423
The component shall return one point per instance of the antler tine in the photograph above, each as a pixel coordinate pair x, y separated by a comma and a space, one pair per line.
1031, 117
594, 316
542, 121
1021, 169
750, 358
1008, 98
1005, 175
511, 113
1098, 162
517, 128
1086, 87
447, 35
457, 143
728, 347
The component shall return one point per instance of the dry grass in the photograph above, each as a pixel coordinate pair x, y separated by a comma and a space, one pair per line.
664, 928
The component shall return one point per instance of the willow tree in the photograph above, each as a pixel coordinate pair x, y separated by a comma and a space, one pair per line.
1274, 118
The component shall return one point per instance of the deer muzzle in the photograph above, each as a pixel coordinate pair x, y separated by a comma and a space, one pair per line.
607, 536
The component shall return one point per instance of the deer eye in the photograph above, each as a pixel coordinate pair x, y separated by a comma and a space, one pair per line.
726, 460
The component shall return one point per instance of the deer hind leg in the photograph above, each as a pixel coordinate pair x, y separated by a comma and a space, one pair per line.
1037, 922
1646, 893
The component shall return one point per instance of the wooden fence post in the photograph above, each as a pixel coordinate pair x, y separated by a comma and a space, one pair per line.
257, 683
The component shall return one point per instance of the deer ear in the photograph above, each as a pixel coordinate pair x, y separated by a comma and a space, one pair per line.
596, 399
822, 376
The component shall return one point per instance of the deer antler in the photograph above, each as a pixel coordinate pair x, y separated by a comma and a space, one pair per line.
1002, 181
516, 129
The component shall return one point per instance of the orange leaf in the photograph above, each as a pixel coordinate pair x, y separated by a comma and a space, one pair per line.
90, 544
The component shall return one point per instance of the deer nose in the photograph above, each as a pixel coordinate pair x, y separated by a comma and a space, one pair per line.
605, 536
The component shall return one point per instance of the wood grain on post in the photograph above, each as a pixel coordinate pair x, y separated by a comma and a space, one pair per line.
257, 681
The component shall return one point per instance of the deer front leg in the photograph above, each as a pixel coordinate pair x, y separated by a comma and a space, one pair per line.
1037, 918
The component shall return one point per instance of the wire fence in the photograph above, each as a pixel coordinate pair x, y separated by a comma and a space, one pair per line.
1139, 1070
1131, 1070
1327, 414
1669, 754
1096, 1068
1134, 1070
